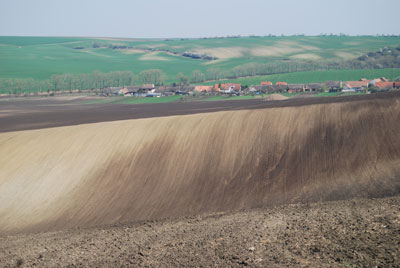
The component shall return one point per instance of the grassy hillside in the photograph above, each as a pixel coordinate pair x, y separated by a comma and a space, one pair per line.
41, 57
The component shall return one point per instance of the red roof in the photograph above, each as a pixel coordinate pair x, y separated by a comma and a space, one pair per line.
203, 88
357, 84
266, 83
235, 87
281, 83
382, 85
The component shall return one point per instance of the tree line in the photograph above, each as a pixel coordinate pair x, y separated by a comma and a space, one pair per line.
90, 81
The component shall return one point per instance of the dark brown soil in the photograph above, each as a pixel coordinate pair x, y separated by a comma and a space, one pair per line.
35, 113
328, 152
353, 233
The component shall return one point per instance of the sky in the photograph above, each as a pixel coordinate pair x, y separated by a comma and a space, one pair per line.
197, 18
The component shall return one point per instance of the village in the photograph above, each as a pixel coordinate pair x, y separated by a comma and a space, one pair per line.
265, 87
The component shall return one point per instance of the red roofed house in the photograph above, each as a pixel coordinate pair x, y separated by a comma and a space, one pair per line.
266, 83
352, 86
294, 88
235, 87
203, 88
281, 83
384, 85
376, 80
228, 87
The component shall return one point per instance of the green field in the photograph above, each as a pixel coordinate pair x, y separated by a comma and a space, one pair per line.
41, 57
139, 100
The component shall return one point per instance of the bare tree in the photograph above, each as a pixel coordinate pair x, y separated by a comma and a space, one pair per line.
213, 74
153, 76
197, 76
183, 79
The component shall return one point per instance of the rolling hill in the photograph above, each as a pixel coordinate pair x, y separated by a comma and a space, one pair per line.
143, 169
40, 57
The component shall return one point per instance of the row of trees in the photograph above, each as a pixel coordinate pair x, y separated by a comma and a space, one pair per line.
94, 80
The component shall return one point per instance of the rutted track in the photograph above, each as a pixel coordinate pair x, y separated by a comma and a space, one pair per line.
154, 168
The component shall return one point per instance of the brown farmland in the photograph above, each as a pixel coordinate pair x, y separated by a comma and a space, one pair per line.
154, 168
24, 113
346, 233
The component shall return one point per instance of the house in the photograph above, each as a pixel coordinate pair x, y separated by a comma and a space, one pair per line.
353, 86
235, 87
260, 89
396, 84
377, 80
228, 87
203, 88
333, 86
281, 83
314, 87
256, 90
384, 85
146, 88
125, 92
294, 88
266, 83
277, 88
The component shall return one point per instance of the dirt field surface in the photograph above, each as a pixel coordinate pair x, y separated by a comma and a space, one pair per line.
36, 113
152, 168
201, 188
353, 233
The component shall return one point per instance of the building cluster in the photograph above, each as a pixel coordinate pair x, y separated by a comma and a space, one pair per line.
329, 86
222, 88
282, 86
150, 90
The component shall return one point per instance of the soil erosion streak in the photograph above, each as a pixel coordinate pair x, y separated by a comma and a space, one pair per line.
142, 169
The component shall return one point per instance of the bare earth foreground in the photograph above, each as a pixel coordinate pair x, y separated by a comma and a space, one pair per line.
354, 233
270, 184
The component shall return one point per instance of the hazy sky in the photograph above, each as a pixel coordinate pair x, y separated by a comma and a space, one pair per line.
197, 18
